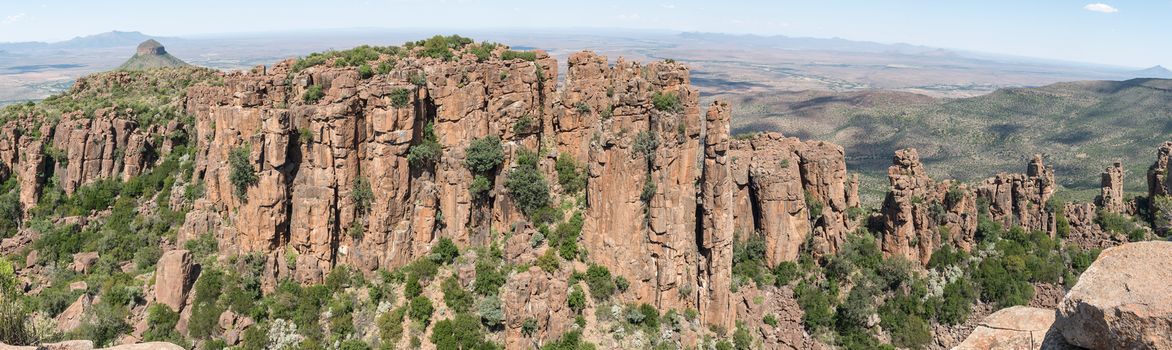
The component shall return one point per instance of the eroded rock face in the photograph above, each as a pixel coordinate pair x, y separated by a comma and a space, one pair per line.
1121, 301
1111, 194
1158, 180
535, 295
1014, 328
920, 214
1021, 199
781, 183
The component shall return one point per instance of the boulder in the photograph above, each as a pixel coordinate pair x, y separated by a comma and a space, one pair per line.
1017, 327
173, 278
82, 262
71, 318
1122, 301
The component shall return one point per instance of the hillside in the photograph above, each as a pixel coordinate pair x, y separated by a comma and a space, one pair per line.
447, 194
1079, 127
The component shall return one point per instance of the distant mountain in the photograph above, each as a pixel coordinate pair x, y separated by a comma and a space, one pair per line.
103, 40
151, 54
1154, 72
821, 44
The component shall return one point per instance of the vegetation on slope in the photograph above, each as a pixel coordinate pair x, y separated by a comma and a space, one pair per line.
1080, 128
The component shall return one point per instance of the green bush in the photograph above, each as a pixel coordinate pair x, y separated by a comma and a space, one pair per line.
576, 300
445, 251
427, 151
549, 261
440, 47
510, 55
242, 174
361, 194
484, 154
814, 205
462, 332
420, 309
206, 311
749, 261
10, 208
456, 297
528, 188
571, 340
15, 328
524, 124
412, 288
390, 325
489, 278
479, 187
571, 175
599, 280
385, 67
313, 94
646, 143
365, 72
161, 321
400, 97
107, 325
490, 311
666, 101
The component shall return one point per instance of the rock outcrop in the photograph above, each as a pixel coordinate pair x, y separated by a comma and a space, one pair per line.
788, 190
1111, 193
174, 276
920, 214
1022, 199
1158, 181
1121, 301
1016, 328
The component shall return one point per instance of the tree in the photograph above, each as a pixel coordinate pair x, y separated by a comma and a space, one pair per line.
242, 174
421, 309
484, 154
526, 185
490, 311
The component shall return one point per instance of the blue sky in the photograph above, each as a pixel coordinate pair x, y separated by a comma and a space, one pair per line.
1119, 32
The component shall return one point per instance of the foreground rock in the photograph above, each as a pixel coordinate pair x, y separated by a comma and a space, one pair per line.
1123, 301
1018, 327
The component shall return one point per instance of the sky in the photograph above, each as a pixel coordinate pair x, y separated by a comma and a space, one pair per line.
1134, 33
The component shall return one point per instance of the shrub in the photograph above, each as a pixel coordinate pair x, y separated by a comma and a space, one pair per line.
421, 309
742, 340
161, 322
205, 313
622, 284
490, 311
313, 94
479, 187
305, 136
484, 154
10, 208
582, 107
365, 72
456, 297
400, 97
571, 176
524, 124
418, 79
577, 299
526, 185
106, 326
510, 55
427, 151
361, 194
390, 325
749, 260
462, 332
817, 306
242, 174
599, 280
649, 189
549, 261
412, 288
489, 278
814, 205
15, 328
445, 251
770, 320
385, 67
666, 101
646, 142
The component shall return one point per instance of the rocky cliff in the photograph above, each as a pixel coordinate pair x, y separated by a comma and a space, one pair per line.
374, 160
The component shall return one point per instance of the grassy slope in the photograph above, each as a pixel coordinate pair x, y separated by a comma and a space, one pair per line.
1080, 127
